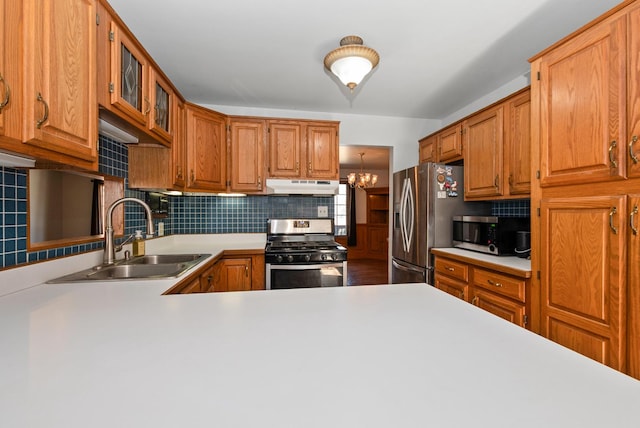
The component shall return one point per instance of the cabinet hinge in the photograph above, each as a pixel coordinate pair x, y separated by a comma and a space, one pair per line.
228, 183
268, 130
111, 88
525, 319
97, 19
538, 74
538, 174
537, 274
538, 211
228, 128
112, 36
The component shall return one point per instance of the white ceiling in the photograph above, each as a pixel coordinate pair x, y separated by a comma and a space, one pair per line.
435, 57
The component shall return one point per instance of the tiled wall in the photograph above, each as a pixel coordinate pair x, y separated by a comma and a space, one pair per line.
187, 214
514, 208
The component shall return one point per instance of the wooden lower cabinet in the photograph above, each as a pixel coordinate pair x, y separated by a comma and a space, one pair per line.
583, 284
233, 270
504, 308
502, 294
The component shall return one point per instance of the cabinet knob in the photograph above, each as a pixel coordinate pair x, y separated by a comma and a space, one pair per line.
497, 284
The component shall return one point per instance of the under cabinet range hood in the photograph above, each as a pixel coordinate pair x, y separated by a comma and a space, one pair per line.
278, 186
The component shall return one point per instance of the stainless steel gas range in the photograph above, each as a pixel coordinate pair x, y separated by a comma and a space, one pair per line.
303, 253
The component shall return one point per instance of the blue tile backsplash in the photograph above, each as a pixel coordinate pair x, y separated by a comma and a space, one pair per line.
187, 214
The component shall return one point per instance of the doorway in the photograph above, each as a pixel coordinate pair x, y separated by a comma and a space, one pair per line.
368, 250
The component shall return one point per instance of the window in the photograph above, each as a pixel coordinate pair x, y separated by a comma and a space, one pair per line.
340, 211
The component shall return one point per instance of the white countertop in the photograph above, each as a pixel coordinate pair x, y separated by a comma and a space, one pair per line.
122, 355
511, 262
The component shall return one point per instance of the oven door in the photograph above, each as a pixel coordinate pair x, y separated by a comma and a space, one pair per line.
306, 276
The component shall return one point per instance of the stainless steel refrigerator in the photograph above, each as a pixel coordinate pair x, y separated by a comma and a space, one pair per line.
425, 197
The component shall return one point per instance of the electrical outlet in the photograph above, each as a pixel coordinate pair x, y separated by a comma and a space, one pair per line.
323, 211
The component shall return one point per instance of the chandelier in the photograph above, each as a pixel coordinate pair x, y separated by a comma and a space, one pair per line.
362, 180
352, 61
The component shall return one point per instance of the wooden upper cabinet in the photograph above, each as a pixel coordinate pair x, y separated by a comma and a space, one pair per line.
246, 166
128, 84
450, 144
206, 149
428, 147
162, 101
583, 106
289, 157
583, 297
322, 151
483, 142
56, 117
179, 147
284, 148
518, 144
633, 98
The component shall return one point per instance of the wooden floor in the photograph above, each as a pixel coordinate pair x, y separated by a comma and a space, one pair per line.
367, 272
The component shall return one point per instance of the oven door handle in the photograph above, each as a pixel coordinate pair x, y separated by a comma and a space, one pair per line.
305, 267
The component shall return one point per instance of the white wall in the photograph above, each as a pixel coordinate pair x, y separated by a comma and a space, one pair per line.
490, 98
359, 130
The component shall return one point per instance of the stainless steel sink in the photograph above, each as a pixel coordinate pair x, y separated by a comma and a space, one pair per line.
156, 259
145, 267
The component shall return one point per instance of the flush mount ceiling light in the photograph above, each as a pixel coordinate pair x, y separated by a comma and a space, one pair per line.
352, 61
363, 179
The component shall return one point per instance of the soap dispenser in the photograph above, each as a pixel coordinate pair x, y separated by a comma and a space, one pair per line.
138, 244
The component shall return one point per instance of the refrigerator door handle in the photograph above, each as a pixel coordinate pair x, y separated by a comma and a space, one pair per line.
405, 268
407, 215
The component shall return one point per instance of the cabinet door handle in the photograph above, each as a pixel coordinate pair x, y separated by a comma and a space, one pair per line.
193, 177
449, 268
45, 116
210, 283
510, 179
462, 295
246, 271
148, 104
497, 284
496, 181
613, 211
632, 217
634, 139
179, 172
7, 93
475, 300
612, 146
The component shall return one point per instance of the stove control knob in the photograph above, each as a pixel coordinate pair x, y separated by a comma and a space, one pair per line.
279, 258
289, 258
307, 257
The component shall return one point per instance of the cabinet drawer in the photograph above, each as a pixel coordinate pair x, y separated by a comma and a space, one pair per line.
452, 269
502, 284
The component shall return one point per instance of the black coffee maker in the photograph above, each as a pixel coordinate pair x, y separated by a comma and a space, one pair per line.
523, 244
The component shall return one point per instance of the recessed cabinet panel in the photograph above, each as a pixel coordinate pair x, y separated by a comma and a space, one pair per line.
247, 155
129, 74
60, 113
583, 283
322, 151
284, 149
582, 107
483, 137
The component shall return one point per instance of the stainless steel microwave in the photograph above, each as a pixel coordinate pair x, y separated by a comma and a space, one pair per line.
488, 234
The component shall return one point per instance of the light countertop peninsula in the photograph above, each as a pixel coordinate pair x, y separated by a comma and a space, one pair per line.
121, 354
